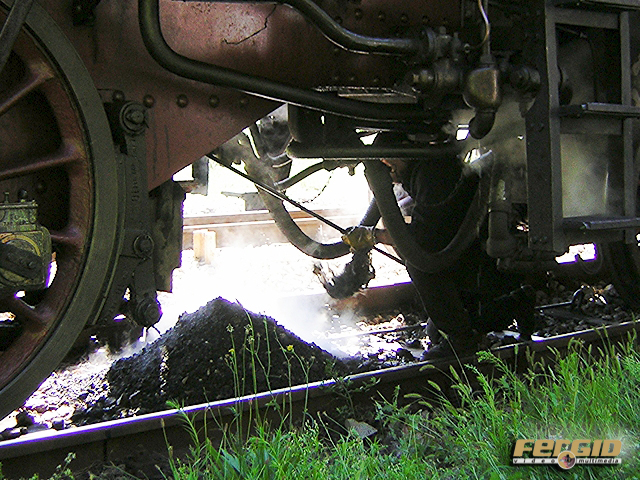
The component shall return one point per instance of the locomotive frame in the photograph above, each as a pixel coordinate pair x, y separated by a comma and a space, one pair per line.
102, 102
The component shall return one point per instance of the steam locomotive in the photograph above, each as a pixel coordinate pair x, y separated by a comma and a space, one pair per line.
103, 101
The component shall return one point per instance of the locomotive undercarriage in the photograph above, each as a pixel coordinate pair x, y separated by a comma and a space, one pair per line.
546, 90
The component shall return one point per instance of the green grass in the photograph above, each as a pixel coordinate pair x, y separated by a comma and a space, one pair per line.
585, 394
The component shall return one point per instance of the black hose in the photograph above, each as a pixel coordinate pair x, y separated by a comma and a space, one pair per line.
149, 19
372, 215
299, 239
405, 244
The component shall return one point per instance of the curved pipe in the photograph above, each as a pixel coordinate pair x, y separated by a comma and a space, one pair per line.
374, 152
380, 182
482, 123
298, 177
149, 18
299, 239
344, 38
372, 215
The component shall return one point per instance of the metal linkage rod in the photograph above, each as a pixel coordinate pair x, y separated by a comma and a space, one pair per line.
284, 198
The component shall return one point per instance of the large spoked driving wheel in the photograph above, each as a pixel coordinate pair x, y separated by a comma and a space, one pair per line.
56, 149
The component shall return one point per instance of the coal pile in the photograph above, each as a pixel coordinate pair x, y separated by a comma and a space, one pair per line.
218, 352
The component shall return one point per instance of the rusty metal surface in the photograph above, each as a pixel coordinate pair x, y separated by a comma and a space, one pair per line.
117, 439
55, 146
42, 152
188, 119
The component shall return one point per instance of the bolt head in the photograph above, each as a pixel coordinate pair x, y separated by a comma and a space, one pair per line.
143, 245
135, 116
182, 100
148, 312
148, 101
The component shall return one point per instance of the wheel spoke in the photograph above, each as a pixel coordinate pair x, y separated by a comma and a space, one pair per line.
31, 317
56, 146
68, 237
66, 154
23, 89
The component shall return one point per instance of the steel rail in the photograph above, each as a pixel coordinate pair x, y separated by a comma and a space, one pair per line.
112, 441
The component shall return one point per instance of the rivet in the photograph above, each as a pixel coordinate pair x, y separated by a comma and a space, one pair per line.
118, 96
425, 20
244, 102
339, 20
182, 100
404, 18
358, 14
382, 16
148, 101
214, 101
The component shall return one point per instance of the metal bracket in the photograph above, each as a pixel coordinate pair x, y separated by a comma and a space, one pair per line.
134, 270
549, 229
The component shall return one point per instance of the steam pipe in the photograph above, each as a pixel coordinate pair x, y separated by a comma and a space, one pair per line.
274, 202
372, 215
380, 182
288, 182
345, 38
482, 123
149, 19
374, 152
299, 239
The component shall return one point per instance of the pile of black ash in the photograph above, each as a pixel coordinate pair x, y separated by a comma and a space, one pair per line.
218, 352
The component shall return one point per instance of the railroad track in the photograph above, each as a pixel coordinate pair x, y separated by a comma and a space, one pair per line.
150, 434
255, 228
